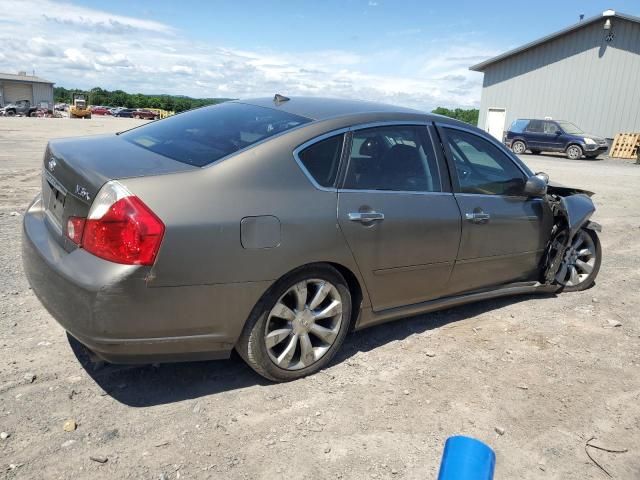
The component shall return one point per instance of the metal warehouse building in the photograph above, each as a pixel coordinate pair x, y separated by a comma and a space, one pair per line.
24, 87
588, 74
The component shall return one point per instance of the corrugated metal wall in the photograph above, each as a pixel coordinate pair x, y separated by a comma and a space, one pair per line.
42, 92
578, 77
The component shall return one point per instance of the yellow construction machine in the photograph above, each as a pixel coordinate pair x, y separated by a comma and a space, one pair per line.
79, 109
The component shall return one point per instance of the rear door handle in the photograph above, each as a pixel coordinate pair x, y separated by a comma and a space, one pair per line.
477, 217
366, 217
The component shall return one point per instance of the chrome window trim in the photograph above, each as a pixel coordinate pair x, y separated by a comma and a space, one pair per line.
313, 141
411, 192
495, 142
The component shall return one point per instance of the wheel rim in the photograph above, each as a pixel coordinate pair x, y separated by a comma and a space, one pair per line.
574, 152
303, 324
579, 261
518, 147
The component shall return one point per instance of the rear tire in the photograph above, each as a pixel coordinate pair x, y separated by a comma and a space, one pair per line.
583, 257
574, 152
518, 147
298, 325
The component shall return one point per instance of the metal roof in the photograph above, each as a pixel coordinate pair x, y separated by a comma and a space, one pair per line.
319, 108
481, 67
23, 78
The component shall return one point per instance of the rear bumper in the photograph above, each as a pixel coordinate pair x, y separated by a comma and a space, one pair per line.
110, 309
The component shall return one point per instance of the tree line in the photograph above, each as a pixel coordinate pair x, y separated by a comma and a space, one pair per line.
179, 103
119, 98
466, 115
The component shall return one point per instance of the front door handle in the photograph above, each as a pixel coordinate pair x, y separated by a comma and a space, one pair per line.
366, 217
477, 217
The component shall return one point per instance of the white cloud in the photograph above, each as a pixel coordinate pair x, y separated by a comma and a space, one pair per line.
82, 47
182, 70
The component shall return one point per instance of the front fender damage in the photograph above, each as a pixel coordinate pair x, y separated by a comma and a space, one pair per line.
571, 213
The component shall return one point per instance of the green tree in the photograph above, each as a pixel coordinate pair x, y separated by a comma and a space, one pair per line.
465, 115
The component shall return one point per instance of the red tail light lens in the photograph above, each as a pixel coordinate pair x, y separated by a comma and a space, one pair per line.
121, 228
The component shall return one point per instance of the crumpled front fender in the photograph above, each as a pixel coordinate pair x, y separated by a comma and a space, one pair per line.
577, 209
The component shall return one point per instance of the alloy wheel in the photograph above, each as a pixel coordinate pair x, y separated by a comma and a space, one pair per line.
579, 261
574, 152
519, 147
303, 324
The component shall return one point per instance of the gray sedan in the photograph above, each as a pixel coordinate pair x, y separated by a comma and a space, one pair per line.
276, 226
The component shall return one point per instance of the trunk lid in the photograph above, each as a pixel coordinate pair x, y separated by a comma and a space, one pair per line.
75, 169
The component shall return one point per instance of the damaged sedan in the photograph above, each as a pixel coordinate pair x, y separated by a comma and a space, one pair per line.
275, 226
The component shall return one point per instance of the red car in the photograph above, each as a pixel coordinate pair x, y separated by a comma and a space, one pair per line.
100, 111
144, 114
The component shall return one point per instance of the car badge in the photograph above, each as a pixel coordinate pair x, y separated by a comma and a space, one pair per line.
82, 193
52, 164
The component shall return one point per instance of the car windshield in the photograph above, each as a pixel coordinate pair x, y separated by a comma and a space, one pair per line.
202, 136
570, 128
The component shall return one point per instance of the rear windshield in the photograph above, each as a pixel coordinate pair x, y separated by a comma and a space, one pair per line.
202, 136
518, 126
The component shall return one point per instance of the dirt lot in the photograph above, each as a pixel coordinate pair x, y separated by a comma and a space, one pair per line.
552, 371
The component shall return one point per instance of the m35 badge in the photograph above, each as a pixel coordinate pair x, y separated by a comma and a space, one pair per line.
82, 193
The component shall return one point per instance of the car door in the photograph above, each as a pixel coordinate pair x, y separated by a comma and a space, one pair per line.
554, 139
504, 233
398, 214
534, 135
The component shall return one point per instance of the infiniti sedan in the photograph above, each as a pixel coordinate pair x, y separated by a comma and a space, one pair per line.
276, 226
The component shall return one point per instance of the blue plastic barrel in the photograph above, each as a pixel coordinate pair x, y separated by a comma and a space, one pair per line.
466, 458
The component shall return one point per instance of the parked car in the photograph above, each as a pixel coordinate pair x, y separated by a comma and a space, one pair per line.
20, 107
144, 114
125, 112
276, 226
115, 110
553, 136
98, 110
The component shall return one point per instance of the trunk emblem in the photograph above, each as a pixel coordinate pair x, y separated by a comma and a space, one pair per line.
82, 193
52, 164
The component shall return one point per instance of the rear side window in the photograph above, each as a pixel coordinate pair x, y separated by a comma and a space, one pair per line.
535, 126
202, 136
394, 158
518, 126
322, 159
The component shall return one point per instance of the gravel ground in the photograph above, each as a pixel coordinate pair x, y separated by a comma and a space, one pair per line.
535, 377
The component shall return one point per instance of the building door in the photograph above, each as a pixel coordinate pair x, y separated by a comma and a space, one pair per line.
17, 91
495, 122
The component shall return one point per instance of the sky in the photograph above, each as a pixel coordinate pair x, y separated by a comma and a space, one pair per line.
414, 53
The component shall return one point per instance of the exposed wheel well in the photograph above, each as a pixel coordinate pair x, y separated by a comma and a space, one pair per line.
354, 288
352, 283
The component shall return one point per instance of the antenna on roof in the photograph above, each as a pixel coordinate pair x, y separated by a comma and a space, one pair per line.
278, 99
581, 16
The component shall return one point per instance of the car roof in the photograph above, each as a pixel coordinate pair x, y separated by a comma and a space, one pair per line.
322, 108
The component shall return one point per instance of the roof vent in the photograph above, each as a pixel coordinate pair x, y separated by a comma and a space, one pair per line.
278, 99
608, 13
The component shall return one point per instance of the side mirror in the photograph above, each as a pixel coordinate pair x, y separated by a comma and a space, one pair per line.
558, 132
535, 187
544, 176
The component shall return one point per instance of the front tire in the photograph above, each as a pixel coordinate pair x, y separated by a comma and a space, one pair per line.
581, 262
299, 324
574, 152
518, 147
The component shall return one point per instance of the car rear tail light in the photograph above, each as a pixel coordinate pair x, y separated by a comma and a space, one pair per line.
121, 228
75, 227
